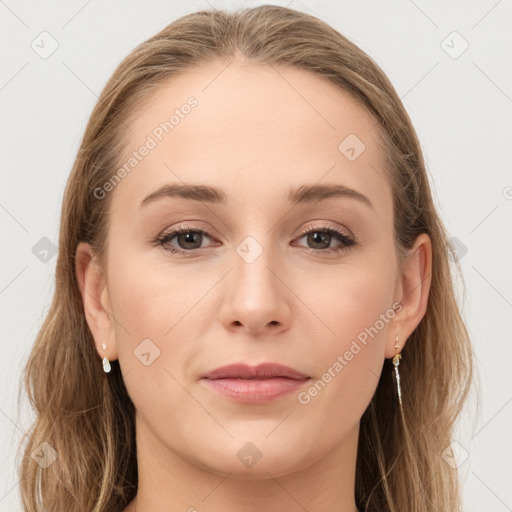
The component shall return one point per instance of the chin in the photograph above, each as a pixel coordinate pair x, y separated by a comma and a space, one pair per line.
253, 457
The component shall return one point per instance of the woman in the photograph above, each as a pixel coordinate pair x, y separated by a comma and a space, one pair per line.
254, 307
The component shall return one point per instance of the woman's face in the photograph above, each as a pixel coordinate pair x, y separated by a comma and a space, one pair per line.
254, 287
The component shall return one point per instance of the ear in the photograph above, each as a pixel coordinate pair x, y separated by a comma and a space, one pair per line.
413, 289
94, 291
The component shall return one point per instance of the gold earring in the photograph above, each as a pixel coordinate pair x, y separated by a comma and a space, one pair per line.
106, 362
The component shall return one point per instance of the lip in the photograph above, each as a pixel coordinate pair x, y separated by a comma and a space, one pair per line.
254, 384
261, 371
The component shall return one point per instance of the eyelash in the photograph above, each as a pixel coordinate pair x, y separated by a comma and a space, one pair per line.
348, 242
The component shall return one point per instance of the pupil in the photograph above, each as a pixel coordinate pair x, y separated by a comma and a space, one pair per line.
316, 237
189, 239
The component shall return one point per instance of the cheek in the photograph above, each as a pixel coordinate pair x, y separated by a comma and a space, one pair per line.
162, 315
152, 300
156, 313
350, 298
358, 310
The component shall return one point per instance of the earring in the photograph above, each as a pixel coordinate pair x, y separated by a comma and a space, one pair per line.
396, 362
396, 343
106, 362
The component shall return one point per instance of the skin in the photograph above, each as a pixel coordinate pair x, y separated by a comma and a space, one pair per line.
257, 132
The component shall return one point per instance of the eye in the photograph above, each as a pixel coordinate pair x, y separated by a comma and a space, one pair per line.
189, 240
320, 238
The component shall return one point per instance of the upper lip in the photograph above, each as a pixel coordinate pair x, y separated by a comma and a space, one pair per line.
261, 371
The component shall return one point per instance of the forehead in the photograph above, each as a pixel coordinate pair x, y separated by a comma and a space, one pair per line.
254, 130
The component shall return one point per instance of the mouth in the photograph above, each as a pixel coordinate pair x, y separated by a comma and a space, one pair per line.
254, 384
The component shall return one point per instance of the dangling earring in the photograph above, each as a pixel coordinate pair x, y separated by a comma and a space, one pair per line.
396, 362
106, 362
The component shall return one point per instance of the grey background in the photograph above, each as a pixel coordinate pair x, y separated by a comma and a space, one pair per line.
461, 106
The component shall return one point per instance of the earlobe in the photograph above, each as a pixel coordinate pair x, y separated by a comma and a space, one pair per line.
93, 288
415, 285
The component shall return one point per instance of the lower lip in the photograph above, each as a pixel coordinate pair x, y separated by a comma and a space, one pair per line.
255, 391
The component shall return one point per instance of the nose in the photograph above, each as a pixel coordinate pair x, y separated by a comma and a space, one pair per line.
256, 297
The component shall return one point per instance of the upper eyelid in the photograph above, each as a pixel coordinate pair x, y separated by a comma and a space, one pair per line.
343, 230
207, 231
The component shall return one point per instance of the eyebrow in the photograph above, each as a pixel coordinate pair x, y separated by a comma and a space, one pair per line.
214, 195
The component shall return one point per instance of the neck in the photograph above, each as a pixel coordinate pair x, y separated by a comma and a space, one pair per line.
167, 478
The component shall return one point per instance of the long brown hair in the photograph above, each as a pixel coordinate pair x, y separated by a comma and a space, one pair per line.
87, 417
